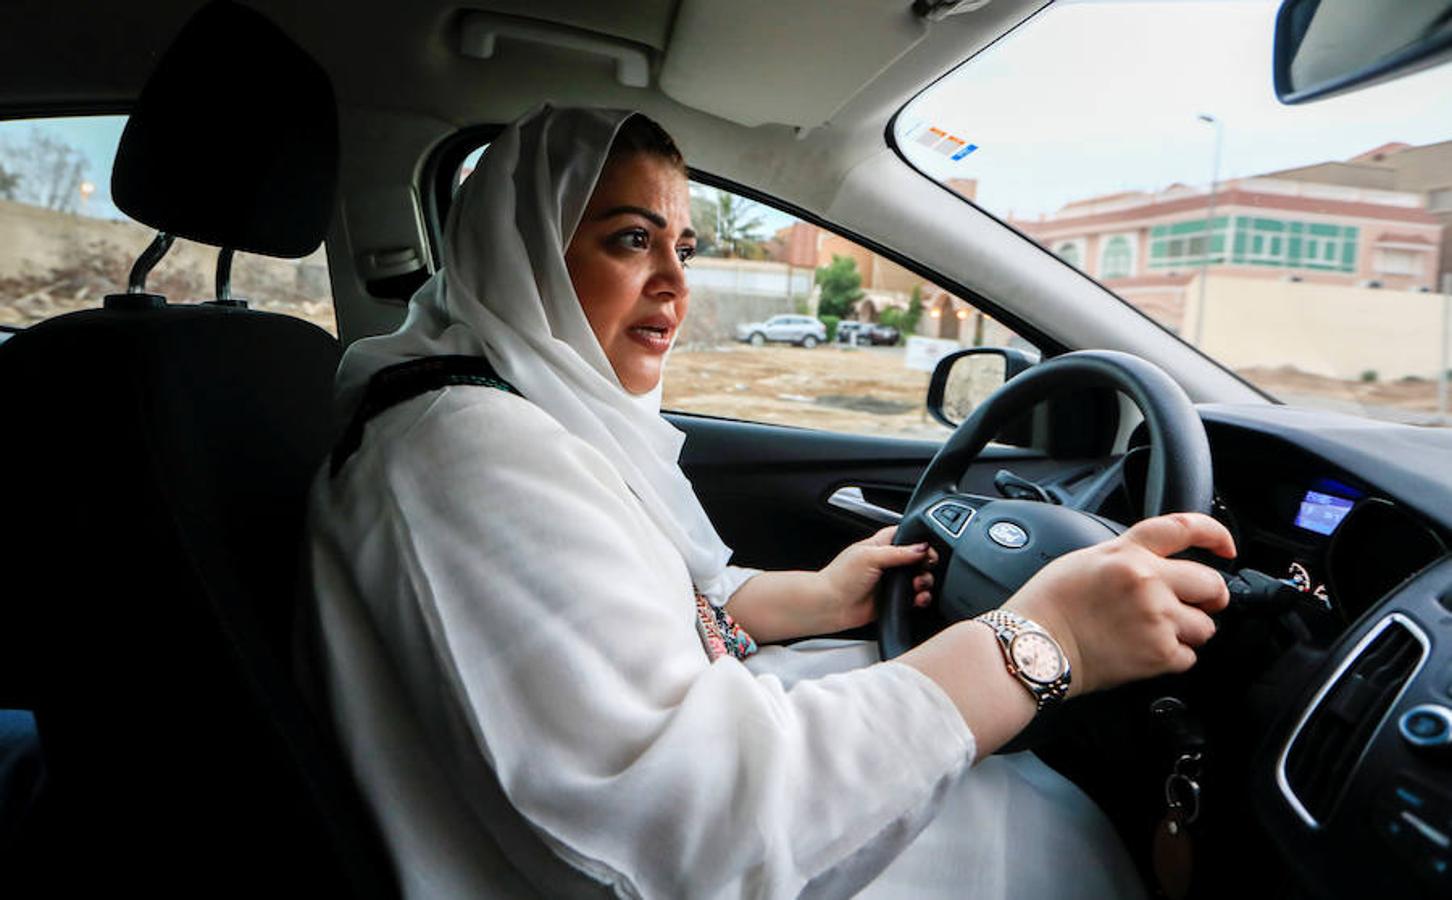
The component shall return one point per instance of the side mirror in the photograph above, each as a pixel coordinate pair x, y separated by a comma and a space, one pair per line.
1324, 47
963, 380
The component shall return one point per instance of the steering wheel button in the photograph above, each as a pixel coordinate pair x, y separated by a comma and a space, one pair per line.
953, 517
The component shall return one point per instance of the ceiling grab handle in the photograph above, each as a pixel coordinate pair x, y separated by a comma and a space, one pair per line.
480, 33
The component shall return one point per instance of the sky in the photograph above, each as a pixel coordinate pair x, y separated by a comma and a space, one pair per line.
1100, 96
95, 136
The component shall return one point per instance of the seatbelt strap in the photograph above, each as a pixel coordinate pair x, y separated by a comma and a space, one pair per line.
406, 380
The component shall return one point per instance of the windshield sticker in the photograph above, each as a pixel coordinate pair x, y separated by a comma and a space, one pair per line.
941, 141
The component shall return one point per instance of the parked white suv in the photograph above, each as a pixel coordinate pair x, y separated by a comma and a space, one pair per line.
790, 329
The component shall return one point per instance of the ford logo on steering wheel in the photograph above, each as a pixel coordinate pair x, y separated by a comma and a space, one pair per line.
1007, 534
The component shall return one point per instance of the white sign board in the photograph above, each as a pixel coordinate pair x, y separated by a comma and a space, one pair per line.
923, 353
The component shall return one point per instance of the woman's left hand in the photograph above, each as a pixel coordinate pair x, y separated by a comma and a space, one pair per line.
778, 606
849, 581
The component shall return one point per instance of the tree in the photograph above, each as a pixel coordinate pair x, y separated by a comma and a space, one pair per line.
841, 287
703, 219
736, 227
49, 171
914, 312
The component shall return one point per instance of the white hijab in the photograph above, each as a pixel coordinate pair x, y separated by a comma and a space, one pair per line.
504, 293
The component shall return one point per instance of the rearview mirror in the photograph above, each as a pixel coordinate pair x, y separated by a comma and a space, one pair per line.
1325, 47
963, 380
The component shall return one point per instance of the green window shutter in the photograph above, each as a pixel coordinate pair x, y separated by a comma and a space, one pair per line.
1117, 253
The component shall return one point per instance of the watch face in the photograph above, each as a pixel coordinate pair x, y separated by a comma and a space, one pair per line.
1037, 657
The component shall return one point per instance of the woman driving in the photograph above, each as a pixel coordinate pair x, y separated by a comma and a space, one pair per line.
548, 678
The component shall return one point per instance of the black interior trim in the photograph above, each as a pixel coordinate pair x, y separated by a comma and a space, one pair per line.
20, 112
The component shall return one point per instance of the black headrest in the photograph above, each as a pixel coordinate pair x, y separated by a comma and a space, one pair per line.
234, 140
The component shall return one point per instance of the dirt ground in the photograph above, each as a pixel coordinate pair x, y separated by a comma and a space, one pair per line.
53, 263
860, 390
25, 300
870, 391
1412, 394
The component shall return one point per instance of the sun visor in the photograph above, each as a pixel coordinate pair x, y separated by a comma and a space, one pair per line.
789, 62
234, 139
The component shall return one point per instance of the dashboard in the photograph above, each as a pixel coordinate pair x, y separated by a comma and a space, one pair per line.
1339, 538
1321, 722
1340, 708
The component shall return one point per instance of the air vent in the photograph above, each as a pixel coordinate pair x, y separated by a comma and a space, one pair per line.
1332, 736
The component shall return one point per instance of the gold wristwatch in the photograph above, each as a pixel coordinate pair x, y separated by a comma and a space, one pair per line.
1031, 654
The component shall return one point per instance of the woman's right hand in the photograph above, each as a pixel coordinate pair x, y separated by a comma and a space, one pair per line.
1122, 610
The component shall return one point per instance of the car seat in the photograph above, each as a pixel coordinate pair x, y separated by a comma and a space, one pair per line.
158, 458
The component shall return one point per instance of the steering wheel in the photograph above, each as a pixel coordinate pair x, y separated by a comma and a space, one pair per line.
988, 548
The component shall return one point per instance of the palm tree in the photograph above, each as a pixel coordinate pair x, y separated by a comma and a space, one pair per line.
737, 225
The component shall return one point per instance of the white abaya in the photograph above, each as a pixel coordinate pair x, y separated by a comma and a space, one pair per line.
513, 666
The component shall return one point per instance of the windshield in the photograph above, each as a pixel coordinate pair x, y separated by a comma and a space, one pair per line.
1308, 248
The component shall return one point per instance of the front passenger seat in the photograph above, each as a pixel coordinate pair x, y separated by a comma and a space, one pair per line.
159, 458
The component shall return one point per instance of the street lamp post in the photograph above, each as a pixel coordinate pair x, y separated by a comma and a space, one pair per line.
1209, 227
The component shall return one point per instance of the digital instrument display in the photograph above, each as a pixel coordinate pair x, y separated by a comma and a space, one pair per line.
1321, 512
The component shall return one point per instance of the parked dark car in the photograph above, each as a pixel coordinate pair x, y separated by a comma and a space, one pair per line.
874, 333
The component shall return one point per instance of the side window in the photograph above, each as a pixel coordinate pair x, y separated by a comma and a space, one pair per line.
763, 339
64, 245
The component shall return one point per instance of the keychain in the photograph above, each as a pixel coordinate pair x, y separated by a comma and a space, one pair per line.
1174, 856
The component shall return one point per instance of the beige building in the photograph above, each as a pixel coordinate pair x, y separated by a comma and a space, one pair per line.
1355, 228
1424, 170
1333, 331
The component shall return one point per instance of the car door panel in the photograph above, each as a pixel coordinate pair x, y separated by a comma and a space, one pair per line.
766, 487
